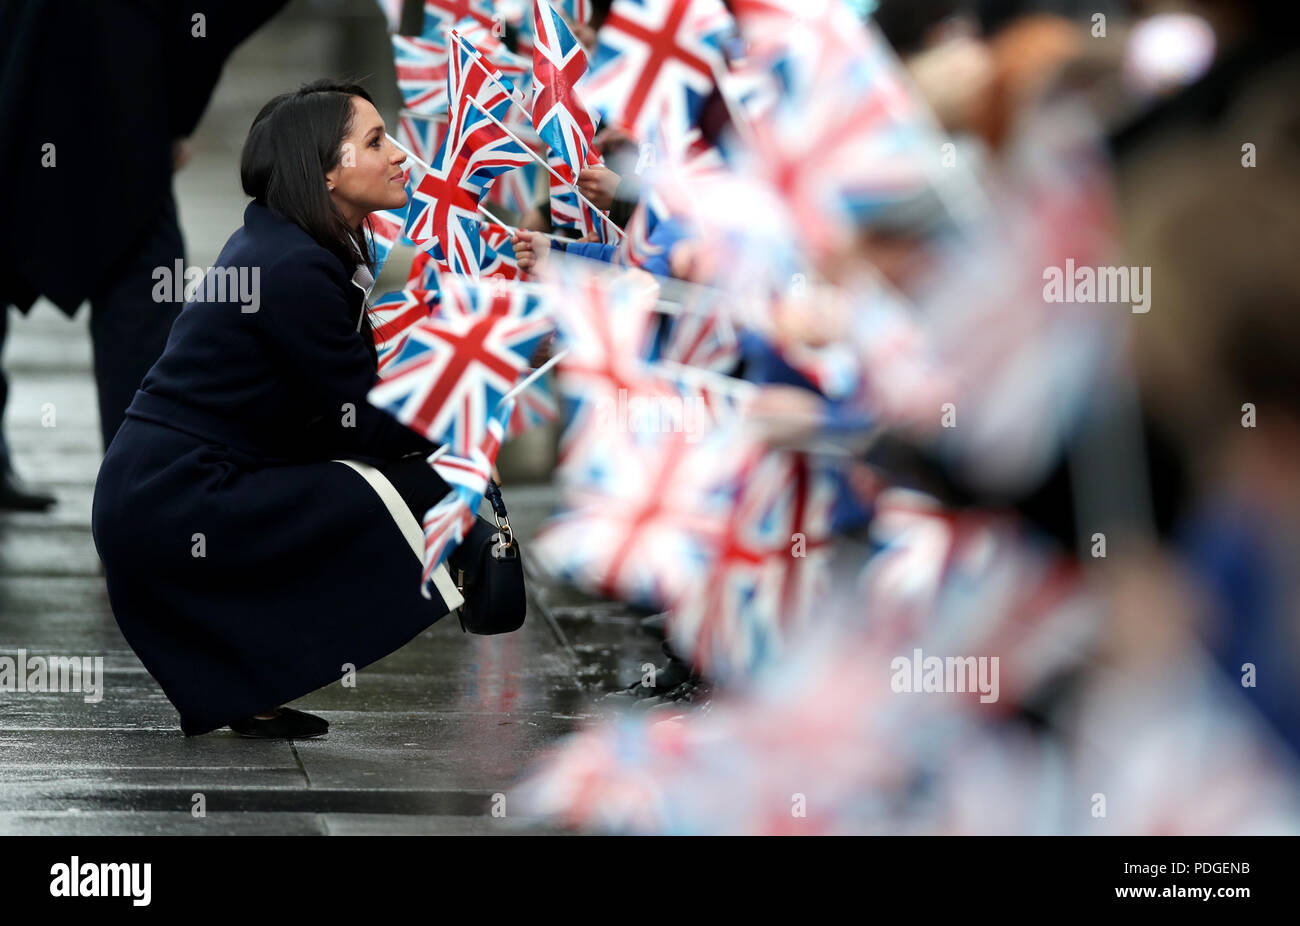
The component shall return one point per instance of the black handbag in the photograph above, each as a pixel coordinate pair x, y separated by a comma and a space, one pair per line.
489, 572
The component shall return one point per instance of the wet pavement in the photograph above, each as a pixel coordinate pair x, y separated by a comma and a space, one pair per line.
424, 743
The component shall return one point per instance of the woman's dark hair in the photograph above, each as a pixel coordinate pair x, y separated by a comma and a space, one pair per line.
294, 141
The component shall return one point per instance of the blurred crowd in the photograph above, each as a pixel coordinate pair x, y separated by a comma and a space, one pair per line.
1101, 495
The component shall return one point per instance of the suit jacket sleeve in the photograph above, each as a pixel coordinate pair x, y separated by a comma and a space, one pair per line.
313, 329
194, 62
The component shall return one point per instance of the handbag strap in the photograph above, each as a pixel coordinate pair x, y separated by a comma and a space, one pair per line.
493, 494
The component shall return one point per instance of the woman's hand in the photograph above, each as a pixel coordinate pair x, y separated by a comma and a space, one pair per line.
530, 248
598, 184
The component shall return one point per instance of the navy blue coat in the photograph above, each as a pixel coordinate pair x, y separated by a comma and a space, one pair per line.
246, 562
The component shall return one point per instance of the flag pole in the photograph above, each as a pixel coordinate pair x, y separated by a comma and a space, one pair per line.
533, 377
409, 153
427, 117
550, 170
512, 228
507, 226
740, 389
477, 59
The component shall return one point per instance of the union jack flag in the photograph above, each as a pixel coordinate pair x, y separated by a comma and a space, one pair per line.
635, 249
702, 335
444, 206
445, 526
576, 11
516, 190
641, 509
750, 86
802, 44
441, 15
767, 572
421, 66
493, 49
447, 523
496, 236
423, 273
498, 253
451, 371
384, 229
534, 407
395, 313
974, 581
847, 138
902, 378
608, 330
605, 323
424, 135
643, 497
566, 209
656, 59
561, 118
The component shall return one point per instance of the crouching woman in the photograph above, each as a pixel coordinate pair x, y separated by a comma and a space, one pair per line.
257, 519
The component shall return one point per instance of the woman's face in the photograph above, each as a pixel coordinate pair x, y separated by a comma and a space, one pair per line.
368, 176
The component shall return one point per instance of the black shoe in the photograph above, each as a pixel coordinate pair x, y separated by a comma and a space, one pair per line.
16, 495
287, 724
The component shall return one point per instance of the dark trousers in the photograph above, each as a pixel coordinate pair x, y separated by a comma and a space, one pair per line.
128, 329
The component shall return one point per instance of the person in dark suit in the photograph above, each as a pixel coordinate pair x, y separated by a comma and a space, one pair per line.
97, 98
257, 518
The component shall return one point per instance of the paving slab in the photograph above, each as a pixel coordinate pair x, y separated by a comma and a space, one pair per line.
485, 752
136, 823
363, 824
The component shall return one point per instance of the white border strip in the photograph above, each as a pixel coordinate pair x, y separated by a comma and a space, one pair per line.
410, 528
